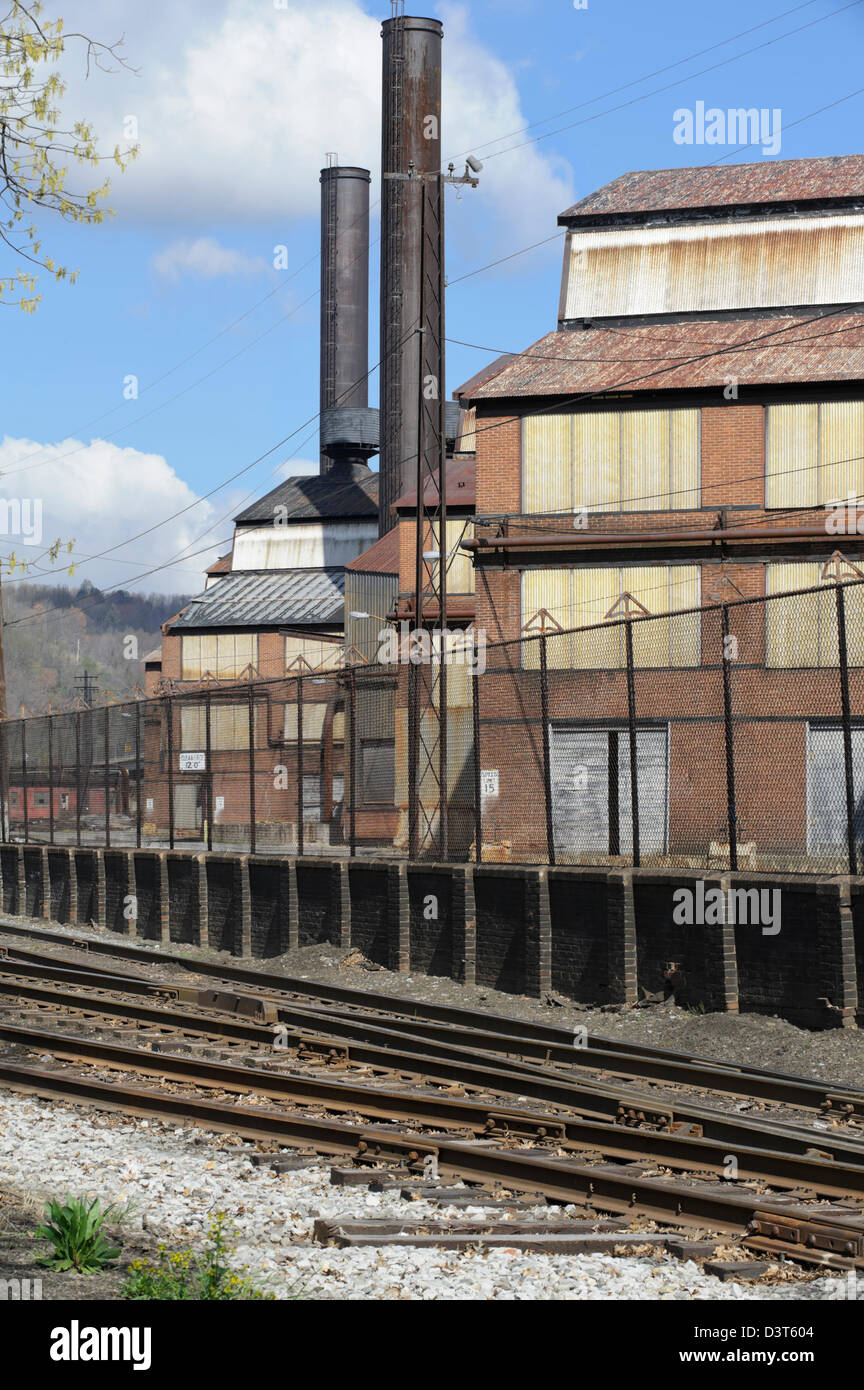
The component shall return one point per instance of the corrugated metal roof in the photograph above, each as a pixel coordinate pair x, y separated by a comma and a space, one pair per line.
380, 558
220, 566
343, 492
660, 356
267, 598
734, 185
460, 487
155, 655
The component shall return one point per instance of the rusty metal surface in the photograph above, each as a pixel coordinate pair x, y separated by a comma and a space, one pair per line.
665, 356
724, 186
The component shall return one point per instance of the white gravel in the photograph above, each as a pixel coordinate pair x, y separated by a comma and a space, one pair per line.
176, 1179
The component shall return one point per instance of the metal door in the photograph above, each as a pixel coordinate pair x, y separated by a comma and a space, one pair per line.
591, 810
826, 788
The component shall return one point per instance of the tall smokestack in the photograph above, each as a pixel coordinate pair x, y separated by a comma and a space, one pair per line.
411, 140
348, 428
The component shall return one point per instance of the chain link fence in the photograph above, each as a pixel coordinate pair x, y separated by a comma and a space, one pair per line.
725, 736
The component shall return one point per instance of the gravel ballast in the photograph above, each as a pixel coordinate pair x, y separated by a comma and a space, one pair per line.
175, 1179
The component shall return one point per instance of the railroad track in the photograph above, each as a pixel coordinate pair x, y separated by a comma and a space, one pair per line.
372, 1079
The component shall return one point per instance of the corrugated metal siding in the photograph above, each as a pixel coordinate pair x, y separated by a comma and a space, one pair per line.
814, 453
547, 463
791, 455
229, 727
309, 545
581, 596
610, 460
368, 593
776, 262
460, 570
803, 631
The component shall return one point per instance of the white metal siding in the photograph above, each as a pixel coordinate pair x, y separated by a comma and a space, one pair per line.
759, 264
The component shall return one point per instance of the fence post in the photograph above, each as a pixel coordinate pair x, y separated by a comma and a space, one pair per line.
730, 749
208, 770
631, 723
78, 789
847, 727
413, 756
547, 762
24, 780
138, 778
169, 708
352, 761
50, 779
301, 842
253, 834
106, 779
478, 795
5, 830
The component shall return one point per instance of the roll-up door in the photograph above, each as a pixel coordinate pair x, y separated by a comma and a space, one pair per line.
826, 788
591, 810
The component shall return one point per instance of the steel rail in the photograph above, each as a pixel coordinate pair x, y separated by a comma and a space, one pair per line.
683, 1151
605, 1105
420, 1010
561, 1180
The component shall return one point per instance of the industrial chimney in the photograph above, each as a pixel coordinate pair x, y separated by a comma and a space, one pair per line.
349, 429
410, 146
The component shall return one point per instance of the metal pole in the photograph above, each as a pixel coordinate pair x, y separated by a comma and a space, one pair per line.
730, 750
547, 762
847, 728
50, 779
139, 781
352, 761
78, 788
301, 842
208, 770
5, 830
253, 834
24, 779
106, 781
413, 755
169, 710
631, 720
437, 328
478, 795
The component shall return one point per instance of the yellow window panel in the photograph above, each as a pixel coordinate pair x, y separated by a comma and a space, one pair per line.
313, 721
191, 656
192, 731
595, 591
791, 455
841, 450
597, 460
685, 642
683, 459
792, 625
547, 463
644, 460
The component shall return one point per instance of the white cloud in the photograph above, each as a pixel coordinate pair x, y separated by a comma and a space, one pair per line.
238, 102
100, 494
206, 258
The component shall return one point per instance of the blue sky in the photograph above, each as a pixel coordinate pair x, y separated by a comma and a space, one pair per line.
237, 102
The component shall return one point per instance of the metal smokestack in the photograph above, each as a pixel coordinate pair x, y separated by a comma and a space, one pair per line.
348, 428
411, 142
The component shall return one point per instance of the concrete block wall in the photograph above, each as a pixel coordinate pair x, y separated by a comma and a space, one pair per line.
591, 935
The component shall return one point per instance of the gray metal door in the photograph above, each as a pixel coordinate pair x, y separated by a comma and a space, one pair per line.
826, 788
590, 815
188, 813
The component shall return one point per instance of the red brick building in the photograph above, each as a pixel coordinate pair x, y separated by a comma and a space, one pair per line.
699, 405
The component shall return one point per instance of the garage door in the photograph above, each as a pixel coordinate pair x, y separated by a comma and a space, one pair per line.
826, 788
591, 795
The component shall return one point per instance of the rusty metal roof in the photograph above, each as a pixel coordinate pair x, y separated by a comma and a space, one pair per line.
348, 492
716, 186
380, 558
266, 598
665, 356
460, 486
